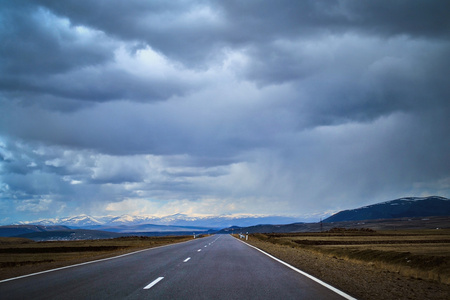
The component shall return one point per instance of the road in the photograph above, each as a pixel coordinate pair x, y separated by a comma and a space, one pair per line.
214, 267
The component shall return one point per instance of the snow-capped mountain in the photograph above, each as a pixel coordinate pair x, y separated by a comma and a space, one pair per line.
218, 222
81, 220
407, 207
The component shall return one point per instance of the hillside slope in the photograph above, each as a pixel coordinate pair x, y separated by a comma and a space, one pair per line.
410, 207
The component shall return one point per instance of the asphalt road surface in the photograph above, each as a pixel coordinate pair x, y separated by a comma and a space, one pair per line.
214, 267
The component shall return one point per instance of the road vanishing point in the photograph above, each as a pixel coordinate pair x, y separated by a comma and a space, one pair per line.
213, 267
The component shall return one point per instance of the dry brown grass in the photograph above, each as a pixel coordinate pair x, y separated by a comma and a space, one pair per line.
423, 254
22, 256
361, 279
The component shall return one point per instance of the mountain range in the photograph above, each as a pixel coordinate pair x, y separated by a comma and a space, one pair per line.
407, 207
178, 220
89, 227
406, 213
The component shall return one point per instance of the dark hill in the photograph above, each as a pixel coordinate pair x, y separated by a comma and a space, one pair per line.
378, 224
48, 233
410, 207
15, 230
70, 234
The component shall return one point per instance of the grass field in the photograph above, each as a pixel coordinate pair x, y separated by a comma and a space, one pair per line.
23, 256
423, 254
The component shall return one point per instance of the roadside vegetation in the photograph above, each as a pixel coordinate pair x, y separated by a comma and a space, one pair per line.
19, 256
423, 254
407, 264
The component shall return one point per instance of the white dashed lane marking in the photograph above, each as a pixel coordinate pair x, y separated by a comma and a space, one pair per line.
153, 283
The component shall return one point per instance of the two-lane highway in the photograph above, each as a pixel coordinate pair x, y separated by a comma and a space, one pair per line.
215, 267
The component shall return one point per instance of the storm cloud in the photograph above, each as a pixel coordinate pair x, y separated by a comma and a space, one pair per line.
296, 108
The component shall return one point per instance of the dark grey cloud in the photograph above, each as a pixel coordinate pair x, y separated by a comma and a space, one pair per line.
178, 29
417, 18
195, 31
93, 86
62, 64
227, 106
387, 18
405, 83
36, 43
190, 32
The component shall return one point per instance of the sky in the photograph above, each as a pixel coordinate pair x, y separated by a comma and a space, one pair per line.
289, 108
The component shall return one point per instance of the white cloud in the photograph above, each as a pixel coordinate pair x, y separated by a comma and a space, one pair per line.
34, 206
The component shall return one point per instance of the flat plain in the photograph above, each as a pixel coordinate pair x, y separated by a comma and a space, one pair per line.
19, 256
390, 264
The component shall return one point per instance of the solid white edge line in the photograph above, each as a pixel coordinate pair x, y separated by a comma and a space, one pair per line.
339, 292
153, 283
187, 259
89, 262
